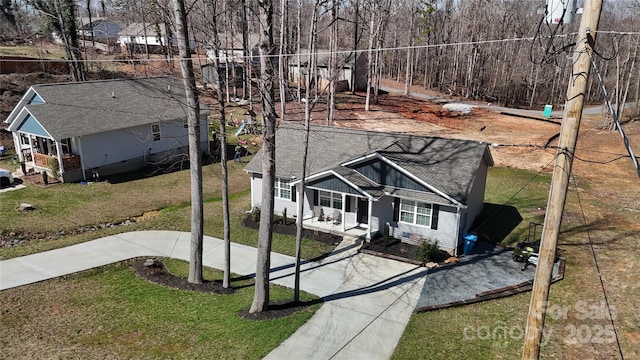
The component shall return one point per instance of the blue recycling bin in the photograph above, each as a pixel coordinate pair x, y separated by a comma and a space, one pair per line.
469, 243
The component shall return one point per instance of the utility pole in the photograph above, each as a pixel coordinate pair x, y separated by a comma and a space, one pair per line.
576, 93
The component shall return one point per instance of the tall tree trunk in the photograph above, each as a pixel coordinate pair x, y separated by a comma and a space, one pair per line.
226, 281
370, 56
265, 231
195, 157
305, 150
354, 68
281, 60
333, 62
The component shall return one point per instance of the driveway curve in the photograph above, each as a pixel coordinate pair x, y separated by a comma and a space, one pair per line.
368, 300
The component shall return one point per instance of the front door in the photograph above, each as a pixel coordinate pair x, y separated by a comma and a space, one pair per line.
363, 211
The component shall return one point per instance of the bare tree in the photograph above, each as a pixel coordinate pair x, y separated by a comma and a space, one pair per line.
265, 231
61, 16
195, 156
311, 73
223, 146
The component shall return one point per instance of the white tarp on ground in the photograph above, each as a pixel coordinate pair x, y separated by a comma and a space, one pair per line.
458, 107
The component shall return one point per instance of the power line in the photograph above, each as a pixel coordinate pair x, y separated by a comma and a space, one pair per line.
242, 57
595, 261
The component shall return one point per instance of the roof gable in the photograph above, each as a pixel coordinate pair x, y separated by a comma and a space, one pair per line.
444, 167
31, 126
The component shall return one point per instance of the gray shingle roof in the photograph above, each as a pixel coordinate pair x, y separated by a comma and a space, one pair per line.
82, 108
139, 29
448, 165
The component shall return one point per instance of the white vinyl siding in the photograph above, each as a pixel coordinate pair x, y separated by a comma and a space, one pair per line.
282, 189
415, 212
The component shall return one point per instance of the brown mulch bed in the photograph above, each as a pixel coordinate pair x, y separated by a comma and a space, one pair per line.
289, 228
154, 271
394, 247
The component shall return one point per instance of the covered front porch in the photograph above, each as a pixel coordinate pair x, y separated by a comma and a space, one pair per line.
331, 227
45, 154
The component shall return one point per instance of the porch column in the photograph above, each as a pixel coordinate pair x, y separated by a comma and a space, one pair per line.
59, 157
369, 219
84, 171
33, 153
344, 199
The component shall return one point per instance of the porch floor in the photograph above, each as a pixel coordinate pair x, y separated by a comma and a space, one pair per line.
330, 227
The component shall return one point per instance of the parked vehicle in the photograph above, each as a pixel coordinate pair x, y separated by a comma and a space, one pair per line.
6, 178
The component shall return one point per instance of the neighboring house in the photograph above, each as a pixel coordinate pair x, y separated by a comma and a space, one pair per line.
345, 69
425, 188
148, 38
105, 127
99, 29
231, 59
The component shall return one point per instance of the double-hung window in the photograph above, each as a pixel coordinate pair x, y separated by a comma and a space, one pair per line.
329, 199
415, 212
283, 189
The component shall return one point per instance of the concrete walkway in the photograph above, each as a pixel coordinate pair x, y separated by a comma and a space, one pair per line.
368, 300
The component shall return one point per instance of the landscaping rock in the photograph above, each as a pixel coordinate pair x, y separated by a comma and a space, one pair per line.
25, 207
451, 260
431, 265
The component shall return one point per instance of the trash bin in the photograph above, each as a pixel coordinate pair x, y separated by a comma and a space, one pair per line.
469, 243
547, 110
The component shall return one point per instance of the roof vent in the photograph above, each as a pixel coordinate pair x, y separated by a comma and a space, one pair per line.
168, 88
113, 94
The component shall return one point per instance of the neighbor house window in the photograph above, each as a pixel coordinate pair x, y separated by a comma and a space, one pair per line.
283, 189
329, 199
155, 132
415, 212
66, 146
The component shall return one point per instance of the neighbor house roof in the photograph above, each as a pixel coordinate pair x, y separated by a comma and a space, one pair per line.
344, 58
447, 166
82, 108
148, 29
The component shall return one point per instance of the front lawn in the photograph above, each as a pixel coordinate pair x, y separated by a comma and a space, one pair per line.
109, 312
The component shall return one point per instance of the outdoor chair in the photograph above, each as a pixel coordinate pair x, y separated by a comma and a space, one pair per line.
336, 218
318, 213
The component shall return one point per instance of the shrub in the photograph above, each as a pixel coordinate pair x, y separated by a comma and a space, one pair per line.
255, 214
385, 235
428, 251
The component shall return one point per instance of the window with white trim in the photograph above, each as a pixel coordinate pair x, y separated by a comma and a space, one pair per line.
329, 199
283, 189
415, 212
155, 132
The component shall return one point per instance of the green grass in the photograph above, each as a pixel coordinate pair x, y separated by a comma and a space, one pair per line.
513, 199
108, 312
478, 331
72, 207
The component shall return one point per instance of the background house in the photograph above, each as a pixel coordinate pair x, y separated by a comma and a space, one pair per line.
101, 33
297, 72
106, 126
425, 188
148, 38
231, 59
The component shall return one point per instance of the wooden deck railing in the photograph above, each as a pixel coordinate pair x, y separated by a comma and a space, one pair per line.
69, 162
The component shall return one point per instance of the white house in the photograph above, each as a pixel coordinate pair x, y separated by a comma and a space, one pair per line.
148, 37
106, 126
425, 188
347, 73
